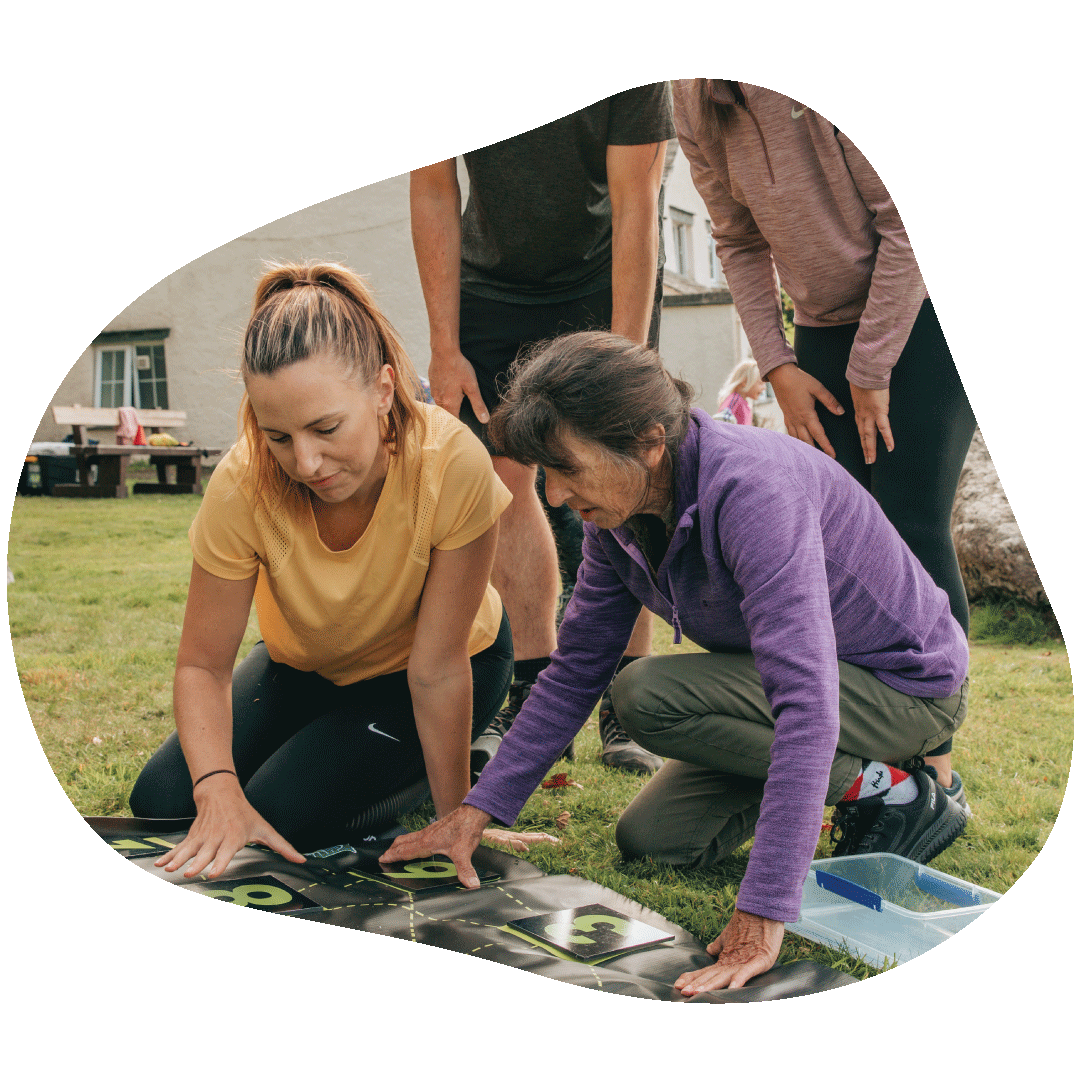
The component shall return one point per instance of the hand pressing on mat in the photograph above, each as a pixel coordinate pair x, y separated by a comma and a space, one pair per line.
225, 823
456, 836
746, 947
458, 839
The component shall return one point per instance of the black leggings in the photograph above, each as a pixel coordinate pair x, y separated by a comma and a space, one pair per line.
932, 425
313, 757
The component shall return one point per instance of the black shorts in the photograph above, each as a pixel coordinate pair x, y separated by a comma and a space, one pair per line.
492, 334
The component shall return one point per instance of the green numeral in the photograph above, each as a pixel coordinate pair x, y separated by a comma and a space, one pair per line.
148, 842
262, 895
590, 922
430, 869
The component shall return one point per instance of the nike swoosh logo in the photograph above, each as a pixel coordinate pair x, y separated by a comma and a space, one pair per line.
795, 115
372, 727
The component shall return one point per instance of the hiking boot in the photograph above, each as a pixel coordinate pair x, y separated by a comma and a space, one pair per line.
487, 742
617, 749
918, 830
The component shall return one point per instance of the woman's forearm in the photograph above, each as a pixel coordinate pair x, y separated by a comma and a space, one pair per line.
442, 706
202, 707
214, 623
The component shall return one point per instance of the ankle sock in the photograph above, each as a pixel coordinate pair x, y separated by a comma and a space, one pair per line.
894, 785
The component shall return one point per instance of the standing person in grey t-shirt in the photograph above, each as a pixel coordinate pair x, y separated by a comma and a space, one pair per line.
561, 232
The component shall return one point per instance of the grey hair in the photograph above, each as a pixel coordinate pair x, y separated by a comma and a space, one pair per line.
600, 388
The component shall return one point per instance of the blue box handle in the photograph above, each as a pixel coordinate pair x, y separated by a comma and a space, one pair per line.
946, 890
848, 889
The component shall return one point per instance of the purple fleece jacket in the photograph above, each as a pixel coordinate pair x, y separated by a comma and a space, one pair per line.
777, 550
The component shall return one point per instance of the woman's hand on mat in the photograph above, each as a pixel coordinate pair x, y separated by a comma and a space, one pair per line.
871, 416
797, 394
518, 841
746, 947
225, 823
457, 836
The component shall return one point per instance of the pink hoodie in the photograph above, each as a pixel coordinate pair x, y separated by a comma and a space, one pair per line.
128, 428
785, 188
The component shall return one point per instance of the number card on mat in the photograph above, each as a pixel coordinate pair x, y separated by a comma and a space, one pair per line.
265, 892
422, 874
591, 932
139, 847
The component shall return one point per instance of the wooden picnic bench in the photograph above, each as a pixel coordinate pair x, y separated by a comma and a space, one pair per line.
111, 461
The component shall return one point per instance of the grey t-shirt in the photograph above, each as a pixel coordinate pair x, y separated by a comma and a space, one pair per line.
537, 226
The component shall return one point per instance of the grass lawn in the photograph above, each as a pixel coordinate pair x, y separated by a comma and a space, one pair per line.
96, 609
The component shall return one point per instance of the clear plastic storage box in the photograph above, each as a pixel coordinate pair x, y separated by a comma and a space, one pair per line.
885, 908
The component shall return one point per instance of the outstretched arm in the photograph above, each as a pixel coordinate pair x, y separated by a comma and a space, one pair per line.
214, 622
439, 672
435, 212
747, 261
634, 174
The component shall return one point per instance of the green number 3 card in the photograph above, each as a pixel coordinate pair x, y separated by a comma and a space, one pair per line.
589, 933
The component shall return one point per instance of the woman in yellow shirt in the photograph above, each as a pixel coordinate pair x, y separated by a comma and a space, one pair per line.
363, 524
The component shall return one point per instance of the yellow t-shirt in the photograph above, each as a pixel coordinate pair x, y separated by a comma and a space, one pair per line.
351, 615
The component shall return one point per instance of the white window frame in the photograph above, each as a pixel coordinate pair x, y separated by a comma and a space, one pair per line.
131, 381
682, 238
128, 351
715, 272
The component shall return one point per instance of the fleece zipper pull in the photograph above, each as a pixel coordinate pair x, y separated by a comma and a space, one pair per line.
675, 624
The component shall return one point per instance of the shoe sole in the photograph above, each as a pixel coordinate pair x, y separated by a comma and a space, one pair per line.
630, 762
940, 835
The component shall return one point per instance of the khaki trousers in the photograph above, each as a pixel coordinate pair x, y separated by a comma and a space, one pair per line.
708, 714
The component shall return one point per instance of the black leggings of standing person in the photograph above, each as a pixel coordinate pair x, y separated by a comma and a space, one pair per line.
932, 425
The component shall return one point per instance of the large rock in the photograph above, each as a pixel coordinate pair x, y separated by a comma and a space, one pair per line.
993, 556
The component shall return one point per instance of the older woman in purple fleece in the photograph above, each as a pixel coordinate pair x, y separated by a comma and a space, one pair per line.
831, 656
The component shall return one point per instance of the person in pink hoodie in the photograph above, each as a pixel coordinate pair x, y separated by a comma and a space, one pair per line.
735, 402
790, 197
